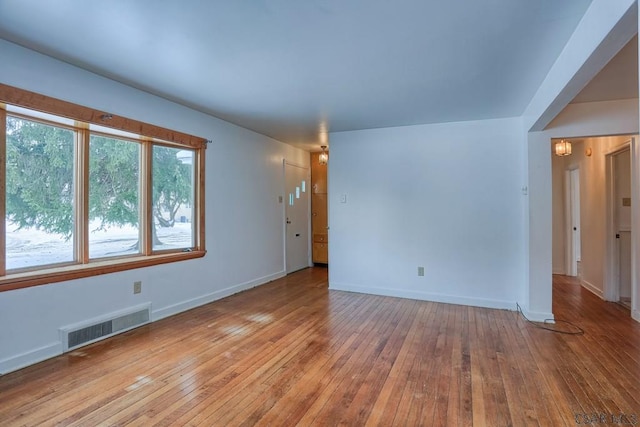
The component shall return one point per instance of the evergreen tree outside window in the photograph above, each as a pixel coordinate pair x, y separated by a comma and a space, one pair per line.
114, 197
39, 194
82, 198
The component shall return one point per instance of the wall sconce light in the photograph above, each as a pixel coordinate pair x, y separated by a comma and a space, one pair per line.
563, 148
323, 158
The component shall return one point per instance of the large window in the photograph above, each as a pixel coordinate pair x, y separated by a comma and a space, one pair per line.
84, 198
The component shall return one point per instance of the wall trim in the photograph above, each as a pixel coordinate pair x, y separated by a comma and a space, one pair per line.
538, 316
425, 296
30, 357
635, 315
592, 288
213, 296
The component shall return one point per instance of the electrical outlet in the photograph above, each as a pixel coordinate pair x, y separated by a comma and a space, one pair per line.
420, 271
137, 287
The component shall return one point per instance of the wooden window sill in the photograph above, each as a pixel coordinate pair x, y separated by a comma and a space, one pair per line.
77, 271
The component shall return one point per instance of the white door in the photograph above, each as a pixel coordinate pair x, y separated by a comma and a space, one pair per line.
622, 218
573, 234
296, 217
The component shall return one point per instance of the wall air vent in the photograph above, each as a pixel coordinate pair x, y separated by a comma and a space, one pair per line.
80, 334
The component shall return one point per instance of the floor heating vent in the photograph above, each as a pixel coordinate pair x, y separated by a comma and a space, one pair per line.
84, 333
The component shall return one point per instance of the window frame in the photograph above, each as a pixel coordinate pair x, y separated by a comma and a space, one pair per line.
150, 135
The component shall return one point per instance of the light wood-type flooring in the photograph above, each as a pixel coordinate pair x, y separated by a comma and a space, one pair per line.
294, 353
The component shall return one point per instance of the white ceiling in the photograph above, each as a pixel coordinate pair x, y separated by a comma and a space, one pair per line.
295, 70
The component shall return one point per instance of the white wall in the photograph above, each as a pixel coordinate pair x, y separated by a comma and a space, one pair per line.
447, 197
244, 221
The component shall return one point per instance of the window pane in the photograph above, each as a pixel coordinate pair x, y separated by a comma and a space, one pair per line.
39, 194
173, 189
114, 194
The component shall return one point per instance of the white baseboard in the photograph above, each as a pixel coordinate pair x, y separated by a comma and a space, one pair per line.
213, 296
31, 357
425, 296
558, 271
635, 314
538, 316
592, 288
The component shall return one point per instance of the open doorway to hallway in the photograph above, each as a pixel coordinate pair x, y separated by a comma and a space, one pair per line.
592, 218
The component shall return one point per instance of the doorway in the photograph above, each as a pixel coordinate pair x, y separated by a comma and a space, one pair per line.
619, 236
574, 240
297, 219
604, 171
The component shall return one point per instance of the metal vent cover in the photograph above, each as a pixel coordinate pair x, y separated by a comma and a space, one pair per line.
77, 335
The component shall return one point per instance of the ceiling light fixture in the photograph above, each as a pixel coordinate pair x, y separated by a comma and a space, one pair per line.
323, 158
563, 148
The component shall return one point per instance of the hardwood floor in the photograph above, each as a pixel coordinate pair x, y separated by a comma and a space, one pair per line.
293, 353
